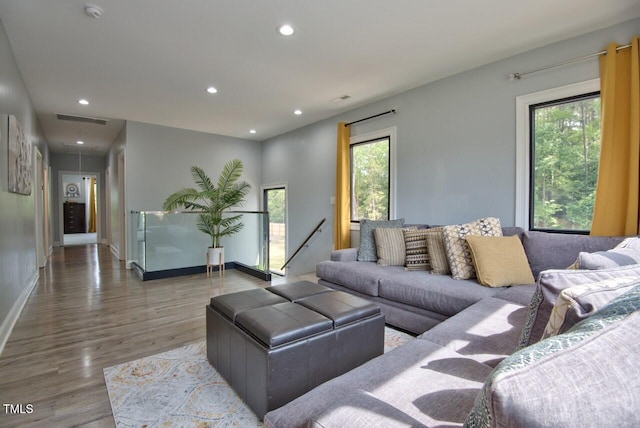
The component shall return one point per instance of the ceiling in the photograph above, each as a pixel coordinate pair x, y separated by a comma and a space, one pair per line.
152, 60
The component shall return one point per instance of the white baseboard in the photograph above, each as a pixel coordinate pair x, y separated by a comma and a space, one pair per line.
103, 242
10, 321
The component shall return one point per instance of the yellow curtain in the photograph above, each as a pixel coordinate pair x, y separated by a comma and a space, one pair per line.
616, 201
92, 205
342, 207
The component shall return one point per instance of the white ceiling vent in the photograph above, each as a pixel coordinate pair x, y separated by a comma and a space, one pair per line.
82, 119
341, 98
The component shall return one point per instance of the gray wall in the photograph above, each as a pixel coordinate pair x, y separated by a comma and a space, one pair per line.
70, 163
455, 148
18, 270
158, 160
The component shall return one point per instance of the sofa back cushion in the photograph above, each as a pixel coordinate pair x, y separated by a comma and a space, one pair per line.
585, 377
560, 250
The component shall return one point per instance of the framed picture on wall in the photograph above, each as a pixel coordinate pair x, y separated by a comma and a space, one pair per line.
19, 159
72, 190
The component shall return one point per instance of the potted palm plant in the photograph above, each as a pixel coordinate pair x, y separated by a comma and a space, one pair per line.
212, 200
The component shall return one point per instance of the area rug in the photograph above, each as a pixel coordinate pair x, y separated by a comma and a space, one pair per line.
180, 388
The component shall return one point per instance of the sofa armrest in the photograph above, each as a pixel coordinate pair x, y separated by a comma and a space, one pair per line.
345, 255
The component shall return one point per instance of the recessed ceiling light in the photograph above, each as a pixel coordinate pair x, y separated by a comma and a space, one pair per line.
297, 112
285, 30
212, 90
83, 102
80, 142
252, 131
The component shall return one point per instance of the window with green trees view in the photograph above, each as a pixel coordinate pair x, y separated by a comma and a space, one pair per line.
565, 145
370, 186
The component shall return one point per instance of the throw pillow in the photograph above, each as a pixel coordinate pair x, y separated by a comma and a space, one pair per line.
416, 255
577, 303
625, 253
550, 284
585, 377
437, 253
389, 246
457, 249
499, 260
367, 251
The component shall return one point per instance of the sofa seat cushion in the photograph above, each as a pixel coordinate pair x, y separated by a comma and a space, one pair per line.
487, 331
437, 293
520, 294
417, 384
363, 277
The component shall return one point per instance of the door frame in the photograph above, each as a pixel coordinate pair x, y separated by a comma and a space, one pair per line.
61, 202
275, 186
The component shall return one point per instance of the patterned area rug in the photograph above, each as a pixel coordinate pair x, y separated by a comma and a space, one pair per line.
180, 388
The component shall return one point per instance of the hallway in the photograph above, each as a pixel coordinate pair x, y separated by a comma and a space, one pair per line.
88, 312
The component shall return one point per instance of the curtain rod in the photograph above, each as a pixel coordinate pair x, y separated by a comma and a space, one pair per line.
371, 117
518, 76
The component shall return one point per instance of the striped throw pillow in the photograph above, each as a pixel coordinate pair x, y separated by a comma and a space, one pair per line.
437, 253
390, 246
416, 254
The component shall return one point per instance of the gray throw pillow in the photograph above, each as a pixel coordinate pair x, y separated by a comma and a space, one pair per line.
367, 252
624, 254
585, 377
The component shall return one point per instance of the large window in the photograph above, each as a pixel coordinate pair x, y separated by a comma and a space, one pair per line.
372, 176
370, 180
565, 148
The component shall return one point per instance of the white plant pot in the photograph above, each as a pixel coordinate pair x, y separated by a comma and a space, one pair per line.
215, 257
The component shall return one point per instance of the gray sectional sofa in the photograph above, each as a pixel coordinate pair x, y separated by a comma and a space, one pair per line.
473, 362
416, 301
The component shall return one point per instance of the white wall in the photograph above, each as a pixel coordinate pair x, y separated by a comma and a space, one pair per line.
111, 189
18, 268
158, 162
455, 148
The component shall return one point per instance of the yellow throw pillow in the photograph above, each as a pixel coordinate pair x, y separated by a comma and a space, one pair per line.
500, 260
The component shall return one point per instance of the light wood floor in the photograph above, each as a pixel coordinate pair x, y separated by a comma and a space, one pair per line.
88, 312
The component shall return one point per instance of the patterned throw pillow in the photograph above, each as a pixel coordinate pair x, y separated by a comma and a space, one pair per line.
389, 246
367, 251
585, 377
456, 246
577, 303
416, 256
437, 253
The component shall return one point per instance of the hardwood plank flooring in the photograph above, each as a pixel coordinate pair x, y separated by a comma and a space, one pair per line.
89, 312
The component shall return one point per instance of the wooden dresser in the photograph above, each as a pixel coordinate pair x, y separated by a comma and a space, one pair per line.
74, 218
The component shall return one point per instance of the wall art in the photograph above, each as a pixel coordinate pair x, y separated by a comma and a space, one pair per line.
19, 158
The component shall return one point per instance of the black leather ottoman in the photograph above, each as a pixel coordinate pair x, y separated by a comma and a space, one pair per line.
274, 350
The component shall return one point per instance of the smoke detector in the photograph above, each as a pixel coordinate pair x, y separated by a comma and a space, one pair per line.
93, 11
